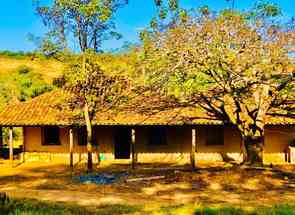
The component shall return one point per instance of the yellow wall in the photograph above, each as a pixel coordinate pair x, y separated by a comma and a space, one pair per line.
276, 142
33, 141
231, 149
177, 148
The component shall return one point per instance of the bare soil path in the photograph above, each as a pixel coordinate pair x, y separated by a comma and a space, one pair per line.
208, 185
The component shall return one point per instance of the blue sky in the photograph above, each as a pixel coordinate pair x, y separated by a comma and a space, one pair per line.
17, 20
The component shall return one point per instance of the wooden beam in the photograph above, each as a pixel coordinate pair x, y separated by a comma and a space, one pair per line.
71, 134
193, 149
11, 145
133, 148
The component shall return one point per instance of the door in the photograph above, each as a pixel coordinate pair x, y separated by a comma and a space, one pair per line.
122, 143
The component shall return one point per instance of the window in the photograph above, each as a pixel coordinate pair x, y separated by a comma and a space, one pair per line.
50, 135
214, 135
157, 136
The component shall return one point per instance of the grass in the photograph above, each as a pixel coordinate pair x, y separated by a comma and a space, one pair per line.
34, 207
275, 210
48, 68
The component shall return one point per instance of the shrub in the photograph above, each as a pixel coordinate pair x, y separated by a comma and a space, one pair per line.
24, 69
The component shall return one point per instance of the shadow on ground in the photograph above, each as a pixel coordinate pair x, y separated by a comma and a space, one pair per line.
207, 185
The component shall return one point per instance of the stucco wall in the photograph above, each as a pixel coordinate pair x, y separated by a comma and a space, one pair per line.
36, 151
230, 150
177, 148
277, 139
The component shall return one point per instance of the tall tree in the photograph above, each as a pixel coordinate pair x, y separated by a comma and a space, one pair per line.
88, 21
237, 68
92, 91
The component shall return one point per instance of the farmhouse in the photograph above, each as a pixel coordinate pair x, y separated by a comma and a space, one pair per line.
185, 135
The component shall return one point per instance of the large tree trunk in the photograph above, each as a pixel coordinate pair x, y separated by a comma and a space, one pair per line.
89, 138
88, 124
254, 150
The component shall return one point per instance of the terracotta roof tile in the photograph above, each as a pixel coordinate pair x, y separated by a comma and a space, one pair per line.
43, 110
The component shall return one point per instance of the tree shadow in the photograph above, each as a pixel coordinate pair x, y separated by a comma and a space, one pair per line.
206, 184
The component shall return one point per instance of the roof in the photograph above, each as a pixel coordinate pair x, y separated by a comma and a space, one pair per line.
44, 110
38, 111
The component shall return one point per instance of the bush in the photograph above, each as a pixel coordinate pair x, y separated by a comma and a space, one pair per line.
24, 69
17, 54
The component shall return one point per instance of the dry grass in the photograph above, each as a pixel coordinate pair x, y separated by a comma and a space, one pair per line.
209, 185
48, 68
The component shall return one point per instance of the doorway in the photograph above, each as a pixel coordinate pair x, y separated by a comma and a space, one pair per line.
122, 143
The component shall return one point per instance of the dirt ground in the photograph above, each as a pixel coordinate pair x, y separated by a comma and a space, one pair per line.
219, 184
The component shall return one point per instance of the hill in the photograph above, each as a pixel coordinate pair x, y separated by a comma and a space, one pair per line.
23, 76
48, 68
27, 75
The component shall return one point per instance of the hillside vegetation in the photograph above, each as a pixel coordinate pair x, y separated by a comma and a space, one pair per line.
48, 68
23, 76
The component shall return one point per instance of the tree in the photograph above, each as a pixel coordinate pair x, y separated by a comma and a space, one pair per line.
88, 21
92, 91
237, 68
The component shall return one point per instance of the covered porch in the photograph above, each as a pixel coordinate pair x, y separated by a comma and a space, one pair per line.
186, 144
119, 144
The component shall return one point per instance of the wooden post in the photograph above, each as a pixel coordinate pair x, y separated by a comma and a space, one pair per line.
133, 148
1, 138
11, 145
193, 149
24, 144
71, 133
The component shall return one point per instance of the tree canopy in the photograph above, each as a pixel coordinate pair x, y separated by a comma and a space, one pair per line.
92, 91
89, 22
237, 67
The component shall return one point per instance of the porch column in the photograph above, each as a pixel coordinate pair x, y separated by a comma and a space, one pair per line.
11, 145
24, 145
193, 149
71, 134
133, 148
1, 138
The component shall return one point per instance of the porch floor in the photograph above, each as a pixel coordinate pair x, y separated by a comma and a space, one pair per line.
219, 184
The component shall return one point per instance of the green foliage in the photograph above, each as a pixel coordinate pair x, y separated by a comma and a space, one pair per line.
275, 210
34, 207
50, 45
21, 85
236, 68
16, 55
173, 5
91, 85
89, 22
204, 10
267, 9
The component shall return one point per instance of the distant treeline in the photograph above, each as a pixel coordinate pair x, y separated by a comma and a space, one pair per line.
21, 54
